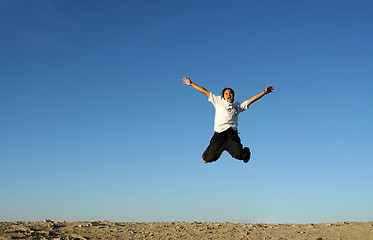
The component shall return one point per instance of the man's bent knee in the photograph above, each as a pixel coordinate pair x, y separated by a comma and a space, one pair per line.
207, 158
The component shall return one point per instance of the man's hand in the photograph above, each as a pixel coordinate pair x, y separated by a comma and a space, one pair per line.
260, 95
269, 89
187, 81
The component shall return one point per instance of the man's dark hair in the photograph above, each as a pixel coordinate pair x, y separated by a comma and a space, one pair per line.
225, 89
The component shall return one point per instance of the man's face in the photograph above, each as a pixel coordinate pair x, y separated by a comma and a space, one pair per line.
228, 96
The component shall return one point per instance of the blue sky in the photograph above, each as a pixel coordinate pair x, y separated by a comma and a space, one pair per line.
96, 123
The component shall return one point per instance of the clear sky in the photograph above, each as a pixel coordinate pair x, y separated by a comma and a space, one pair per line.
95, 123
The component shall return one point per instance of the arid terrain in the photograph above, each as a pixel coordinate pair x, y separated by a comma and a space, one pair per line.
61, 230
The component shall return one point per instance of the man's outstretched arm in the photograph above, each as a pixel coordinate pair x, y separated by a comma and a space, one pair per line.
260, 95
188, 82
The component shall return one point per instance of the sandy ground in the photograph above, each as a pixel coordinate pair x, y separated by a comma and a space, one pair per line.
62, 230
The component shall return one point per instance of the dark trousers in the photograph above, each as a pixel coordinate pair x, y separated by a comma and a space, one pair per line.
226, 141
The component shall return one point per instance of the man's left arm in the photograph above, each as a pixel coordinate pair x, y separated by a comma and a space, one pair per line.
268, 89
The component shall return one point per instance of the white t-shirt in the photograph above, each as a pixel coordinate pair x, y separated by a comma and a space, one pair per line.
226, 114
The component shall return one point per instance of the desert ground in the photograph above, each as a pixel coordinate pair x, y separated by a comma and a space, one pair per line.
61, 230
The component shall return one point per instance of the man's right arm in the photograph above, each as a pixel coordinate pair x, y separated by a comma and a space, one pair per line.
188, 82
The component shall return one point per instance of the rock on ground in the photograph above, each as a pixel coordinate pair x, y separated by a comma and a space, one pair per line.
62, 230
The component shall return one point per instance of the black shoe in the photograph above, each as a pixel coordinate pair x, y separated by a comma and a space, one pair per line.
247, 154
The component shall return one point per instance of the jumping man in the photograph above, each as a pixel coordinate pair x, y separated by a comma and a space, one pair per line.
226, 136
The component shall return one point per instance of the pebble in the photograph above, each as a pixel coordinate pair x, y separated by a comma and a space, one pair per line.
7, 237
44, 232
22, 228
76, 236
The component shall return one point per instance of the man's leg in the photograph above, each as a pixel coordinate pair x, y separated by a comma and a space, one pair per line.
236, 149
215, 149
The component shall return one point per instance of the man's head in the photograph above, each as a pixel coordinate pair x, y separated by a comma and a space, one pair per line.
228, 94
